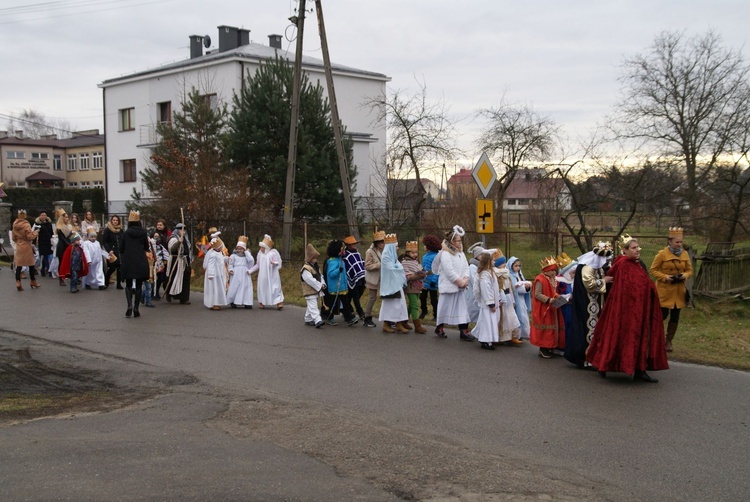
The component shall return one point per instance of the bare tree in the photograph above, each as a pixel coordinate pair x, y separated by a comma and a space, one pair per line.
686, 96
35, 125
515, 136
421, 133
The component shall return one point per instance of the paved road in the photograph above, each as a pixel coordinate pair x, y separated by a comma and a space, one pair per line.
686, 438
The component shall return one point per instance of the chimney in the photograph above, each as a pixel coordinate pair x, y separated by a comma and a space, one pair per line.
243, 37
196, 46
274, 41
3, 134
18, 133
228, 38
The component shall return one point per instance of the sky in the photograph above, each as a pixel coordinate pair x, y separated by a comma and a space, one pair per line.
562, 57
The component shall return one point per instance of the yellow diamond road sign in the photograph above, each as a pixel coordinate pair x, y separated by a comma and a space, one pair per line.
484, 174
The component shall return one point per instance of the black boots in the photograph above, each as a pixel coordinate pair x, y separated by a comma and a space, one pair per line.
137, 303
129, 297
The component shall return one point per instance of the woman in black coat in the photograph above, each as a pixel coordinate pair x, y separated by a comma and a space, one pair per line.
111, 243
64, 229
134, 266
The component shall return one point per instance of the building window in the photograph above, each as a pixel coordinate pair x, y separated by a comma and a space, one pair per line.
128, 170
15, 155
97, 160
72, 184
84, 162
211, 100
98, 184
20, 184
165, 111
126, 119
85, 184
72, 162
57, 162
43, 156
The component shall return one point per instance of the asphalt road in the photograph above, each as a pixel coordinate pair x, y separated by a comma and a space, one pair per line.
685, 438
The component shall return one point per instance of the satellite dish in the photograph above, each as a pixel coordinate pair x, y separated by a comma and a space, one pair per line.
206, 41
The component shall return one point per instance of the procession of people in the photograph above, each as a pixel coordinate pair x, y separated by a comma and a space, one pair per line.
601, 311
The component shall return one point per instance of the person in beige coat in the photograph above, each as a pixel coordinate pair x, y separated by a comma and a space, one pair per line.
23, 236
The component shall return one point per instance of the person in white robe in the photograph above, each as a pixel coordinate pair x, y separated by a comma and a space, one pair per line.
313, 284
94, 254
392, 281
489, 299
268, 264
472, 306
215, 279
240, 280
509, 323
453, 268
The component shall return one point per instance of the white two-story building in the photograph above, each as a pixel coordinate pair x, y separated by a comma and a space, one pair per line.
134, 104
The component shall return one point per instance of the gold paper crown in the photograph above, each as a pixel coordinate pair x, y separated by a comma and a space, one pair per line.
412, 246
378, 236
242, 240
90, 230
217, 243
563, 260
497, 254
548, 262
625, 240
675, 232
59, 212
391, 239
134, 216
21, 212
267, 241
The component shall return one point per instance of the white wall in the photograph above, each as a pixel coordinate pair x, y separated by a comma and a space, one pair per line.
223, 78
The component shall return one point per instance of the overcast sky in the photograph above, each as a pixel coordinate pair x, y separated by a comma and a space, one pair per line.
562, 57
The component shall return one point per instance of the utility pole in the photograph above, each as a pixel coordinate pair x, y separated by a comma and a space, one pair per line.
286, 249
343, 167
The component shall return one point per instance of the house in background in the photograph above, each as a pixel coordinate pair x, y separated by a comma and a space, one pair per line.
134, 105
48, 162
531, 188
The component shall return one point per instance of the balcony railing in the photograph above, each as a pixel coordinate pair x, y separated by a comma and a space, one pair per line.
149, 136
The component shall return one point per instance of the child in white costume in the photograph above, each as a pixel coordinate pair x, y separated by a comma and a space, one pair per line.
509, 323
240, 282
313, 285
94, 254
489, 298
215, 280
268, 264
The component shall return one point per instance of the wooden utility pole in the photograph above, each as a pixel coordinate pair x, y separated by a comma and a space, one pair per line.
286, 250
337, 134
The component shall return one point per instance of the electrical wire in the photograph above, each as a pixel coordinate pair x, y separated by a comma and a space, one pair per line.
83, 12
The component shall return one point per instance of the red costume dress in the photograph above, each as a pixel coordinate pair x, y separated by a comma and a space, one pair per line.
547, 323
629, 336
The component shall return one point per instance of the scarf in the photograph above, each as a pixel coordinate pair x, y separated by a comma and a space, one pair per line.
450, 248
676, 252
113, 228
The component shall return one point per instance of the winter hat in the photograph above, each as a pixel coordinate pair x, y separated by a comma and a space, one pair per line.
311, 253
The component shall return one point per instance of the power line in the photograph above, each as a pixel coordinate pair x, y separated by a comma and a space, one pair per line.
79, 13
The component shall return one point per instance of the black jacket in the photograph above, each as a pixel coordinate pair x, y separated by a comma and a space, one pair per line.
45, 236
111, 241
133, 247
